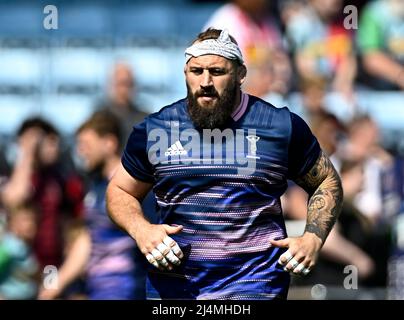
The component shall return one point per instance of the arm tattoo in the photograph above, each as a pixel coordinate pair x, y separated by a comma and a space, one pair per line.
323, 185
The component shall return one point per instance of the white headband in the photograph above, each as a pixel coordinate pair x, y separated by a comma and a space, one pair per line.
222, 46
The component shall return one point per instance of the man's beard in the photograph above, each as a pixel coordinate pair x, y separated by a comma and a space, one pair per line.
214, 116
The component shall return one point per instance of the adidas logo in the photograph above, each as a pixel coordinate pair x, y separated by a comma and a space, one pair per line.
176, 149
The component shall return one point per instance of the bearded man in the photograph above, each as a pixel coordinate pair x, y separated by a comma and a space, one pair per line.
218, 162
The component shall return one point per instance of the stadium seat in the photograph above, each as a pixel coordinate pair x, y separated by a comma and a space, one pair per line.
78, 70
14, 109
21, 70
67, 112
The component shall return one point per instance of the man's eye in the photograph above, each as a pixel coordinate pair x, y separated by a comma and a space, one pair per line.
196, 71
216, 72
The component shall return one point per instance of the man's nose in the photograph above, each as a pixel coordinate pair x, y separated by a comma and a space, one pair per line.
206, 79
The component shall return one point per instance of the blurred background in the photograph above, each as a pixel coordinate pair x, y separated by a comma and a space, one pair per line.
342, 72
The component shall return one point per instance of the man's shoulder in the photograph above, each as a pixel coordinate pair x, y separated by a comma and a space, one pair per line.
257, 104
169, 112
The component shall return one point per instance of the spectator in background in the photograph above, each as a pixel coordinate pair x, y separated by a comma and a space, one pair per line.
313, 91
4, 174
362, 144
101, 250
259, 38
120, 100
381, 44
348, 240
18, 266
40, 176
328, 130
322, 46
269, 77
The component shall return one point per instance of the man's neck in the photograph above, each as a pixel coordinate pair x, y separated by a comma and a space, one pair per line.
237, 101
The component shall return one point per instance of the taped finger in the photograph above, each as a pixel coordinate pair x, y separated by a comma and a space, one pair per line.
163, 249
172, 258
169, 242
151, 260
306, 271
159, 257
293, 263
285, 258
299, 268
177, 251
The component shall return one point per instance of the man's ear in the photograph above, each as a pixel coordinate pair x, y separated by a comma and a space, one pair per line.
241, 74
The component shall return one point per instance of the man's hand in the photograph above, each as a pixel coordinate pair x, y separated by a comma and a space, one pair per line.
30, 140
302, 253
48, 294
160, 250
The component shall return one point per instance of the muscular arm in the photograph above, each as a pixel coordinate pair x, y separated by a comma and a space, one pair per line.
323, 185
124, 195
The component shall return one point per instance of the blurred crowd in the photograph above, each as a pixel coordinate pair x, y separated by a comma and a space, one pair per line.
52, 195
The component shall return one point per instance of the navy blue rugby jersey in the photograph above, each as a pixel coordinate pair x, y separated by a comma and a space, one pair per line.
224, 187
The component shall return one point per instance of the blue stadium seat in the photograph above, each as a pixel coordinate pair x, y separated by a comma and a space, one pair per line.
191, 18
150, 65
14, 110
84, 20
21, 20
385, 107
67, 112
140, 21
21, 68
79, 70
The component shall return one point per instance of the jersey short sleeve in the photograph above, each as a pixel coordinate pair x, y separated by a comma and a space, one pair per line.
304, 148
134, 158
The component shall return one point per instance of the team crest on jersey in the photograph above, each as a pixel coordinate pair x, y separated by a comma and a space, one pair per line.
252, 146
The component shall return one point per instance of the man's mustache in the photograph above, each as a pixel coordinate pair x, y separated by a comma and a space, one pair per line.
207, 93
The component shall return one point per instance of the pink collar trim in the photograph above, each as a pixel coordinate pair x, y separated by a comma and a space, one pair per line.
238, 113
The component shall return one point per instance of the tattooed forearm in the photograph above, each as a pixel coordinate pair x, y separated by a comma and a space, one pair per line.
324, 187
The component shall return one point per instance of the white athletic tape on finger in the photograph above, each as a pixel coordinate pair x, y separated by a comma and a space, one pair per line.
151, 260
163, 262
299, 268
156, 264
163, 249
177, 251
157, 255
306, 271
294, 263
287, 255
169, 241
172, 258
